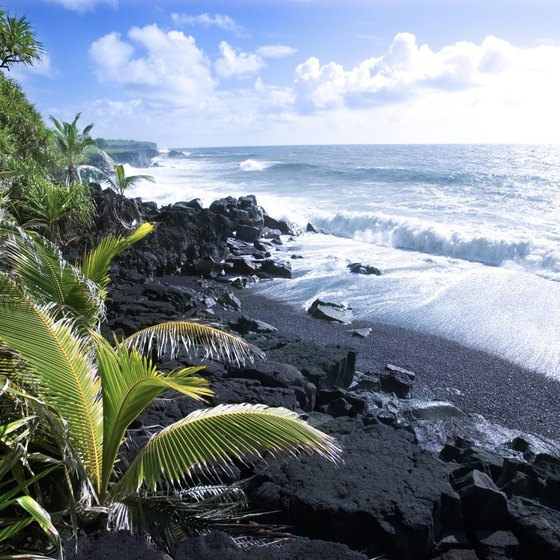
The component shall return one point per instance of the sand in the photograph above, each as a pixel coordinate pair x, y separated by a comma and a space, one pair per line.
475, 381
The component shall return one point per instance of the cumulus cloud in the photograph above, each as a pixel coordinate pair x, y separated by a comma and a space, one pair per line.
404, 70
489, 91
161, 67
276, 51
82, 5
236, 63
207, 20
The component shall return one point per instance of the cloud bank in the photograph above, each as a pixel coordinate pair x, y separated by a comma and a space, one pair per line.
486, 92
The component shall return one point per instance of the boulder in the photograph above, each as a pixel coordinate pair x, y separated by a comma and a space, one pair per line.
385, 499
537, 528
397, 380
367, 269
483, 505
330, 311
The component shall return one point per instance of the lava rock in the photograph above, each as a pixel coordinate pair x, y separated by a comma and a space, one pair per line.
330, 311
384, 499
359, 268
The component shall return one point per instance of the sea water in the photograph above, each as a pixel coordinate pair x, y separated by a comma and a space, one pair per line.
467, 236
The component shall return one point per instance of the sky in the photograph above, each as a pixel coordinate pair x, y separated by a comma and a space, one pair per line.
267, 72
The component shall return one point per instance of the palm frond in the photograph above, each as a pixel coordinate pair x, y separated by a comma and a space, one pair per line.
67, 379
130, 383
195, 338
48, 278
171, 518
218, 436
95, 264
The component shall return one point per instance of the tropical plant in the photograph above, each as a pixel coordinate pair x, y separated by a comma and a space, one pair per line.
120, 182
18, 508
58, 212
18, 44
48, 316
72, 143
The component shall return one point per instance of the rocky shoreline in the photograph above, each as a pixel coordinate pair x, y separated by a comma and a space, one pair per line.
421, 478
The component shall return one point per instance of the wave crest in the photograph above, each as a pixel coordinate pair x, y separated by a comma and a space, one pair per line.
254, 165
418, 236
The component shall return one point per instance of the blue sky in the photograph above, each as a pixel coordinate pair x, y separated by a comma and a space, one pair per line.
247, 72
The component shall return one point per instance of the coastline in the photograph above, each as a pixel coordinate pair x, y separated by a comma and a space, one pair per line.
473, 380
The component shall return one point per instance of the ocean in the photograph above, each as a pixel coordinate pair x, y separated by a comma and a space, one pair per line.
467, 236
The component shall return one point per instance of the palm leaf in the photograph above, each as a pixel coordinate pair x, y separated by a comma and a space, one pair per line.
171, 518
217, 437
194, 338
130, 383
95, 264
47, 277
67, 379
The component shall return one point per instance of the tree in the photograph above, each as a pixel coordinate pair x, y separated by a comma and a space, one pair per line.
72, 144
49, 316
18, 44
120, 182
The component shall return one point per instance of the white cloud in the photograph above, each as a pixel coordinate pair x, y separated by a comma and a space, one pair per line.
236, 63
206, 20
276, 51
401, 72
164, 68
82, 5
490, 91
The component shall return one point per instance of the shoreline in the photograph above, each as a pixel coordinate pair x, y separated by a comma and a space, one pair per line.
473, 380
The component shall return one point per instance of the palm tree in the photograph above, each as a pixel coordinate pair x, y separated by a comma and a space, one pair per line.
17, 42
72, 144
120, 182
49, 312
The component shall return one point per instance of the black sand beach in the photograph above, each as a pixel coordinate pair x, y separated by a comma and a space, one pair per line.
475, 381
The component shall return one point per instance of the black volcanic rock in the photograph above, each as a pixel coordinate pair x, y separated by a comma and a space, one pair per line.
386, 498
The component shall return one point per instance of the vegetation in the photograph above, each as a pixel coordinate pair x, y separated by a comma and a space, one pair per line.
72, 144
117, 179
49, 318
68, 395
18, 44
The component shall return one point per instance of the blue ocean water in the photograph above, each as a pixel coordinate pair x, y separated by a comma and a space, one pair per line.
467, 236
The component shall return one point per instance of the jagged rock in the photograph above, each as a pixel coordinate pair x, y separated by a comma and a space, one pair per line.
497, 545
330, 311
384, 499
397, 380
359, 268
273, 374
311, 229
280, 269
336, 402
219, 545
183, 238
484, 506
245, 325
330, 366
537, 527
279, 225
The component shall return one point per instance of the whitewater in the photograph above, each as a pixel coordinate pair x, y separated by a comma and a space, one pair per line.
467, 236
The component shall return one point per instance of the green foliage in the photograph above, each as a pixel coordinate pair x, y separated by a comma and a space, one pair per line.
72, 144
23, 134
96, 390
18, 44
